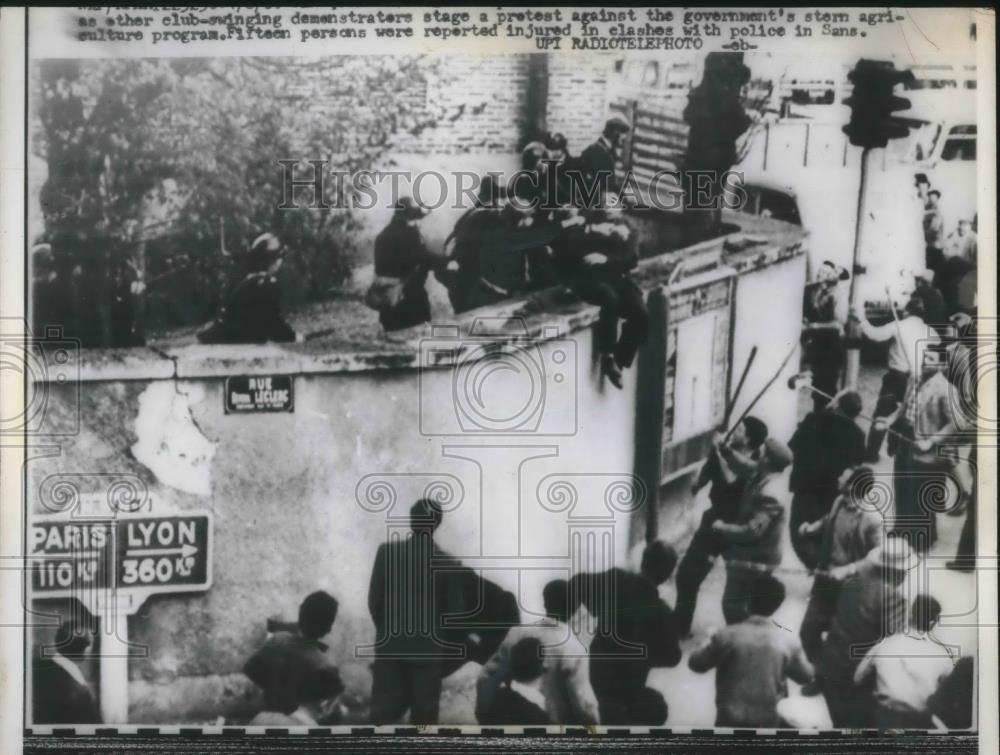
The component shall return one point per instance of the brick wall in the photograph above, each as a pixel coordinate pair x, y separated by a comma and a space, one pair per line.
484, 100
578, 97
480, 103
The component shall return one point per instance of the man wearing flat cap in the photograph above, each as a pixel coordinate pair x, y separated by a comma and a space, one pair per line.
402, 261
596, 164
753, 540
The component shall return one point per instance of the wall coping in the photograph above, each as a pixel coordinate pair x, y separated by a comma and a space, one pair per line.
509, 326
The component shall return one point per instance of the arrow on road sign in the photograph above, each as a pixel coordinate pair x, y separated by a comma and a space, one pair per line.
184, 551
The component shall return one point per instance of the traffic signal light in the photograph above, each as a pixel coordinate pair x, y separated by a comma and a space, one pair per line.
872, 104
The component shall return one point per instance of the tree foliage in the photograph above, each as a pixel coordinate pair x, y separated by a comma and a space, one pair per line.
173, 165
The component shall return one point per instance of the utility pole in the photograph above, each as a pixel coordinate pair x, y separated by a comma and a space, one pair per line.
852, 332
872, 126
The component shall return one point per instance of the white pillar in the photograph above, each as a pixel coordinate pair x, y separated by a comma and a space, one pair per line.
114, 667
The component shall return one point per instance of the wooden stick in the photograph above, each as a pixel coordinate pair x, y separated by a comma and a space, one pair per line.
763, 390
739, 387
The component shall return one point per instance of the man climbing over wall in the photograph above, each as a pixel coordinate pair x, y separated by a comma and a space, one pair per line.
595, 258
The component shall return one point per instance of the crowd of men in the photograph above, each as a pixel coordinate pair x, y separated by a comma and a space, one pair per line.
863, 644
558, 222
858, 553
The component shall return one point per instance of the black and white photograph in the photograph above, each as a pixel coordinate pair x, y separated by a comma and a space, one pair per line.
509, 369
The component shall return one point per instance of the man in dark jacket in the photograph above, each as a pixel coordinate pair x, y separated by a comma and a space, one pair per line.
753, 659
595, 176
934, 237
954, 701
412, 587
727, 469
253, 312
826, 442
463, 245
60, 694
506, 249
935, 313
595, 258
636, 631
298, 678
753, 541
402, 255
870, 606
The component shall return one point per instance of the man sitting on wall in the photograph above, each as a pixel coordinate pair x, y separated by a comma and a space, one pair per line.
463, 245
253, 312
596, 164
300, 682
595, 258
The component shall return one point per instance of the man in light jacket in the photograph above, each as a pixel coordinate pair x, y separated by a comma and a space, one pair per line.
565, 684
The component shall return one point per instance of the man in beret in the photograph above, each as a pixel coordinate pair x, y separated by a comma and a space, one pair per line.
753, 540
